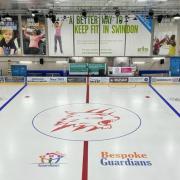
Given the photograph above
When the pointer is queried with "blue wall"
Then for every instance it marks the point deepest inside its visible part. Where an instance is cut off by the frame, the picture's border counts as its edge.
(175, 66)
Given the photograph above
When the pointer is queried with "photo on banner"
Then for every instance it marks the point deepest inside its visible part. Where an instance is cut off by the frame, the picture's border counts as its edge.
(86, 35)
(112, 35)
(165, 39)
(9, 36)
(60, 34)
(34, 36)
(138, 35)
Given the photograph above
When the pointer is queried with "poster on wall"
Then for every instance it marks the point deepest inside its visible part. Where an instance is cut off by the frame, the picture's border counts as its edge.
(86, 35)
(120, 71)
(60, 36)
(112, 35)
(138, 36)
(34, 39)
(9, 36)
(165, 39)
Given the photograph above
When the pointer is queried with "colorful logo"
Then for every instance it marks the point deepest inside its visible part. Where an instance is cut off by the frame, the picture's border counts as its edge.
(143, 49)
(52, 159)
(124, 159)
(91, 120)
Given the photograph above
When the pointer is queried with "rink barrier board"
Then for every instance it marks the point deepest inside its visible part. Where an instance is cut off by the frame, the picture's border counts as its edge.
(92, 80)
(54, 84)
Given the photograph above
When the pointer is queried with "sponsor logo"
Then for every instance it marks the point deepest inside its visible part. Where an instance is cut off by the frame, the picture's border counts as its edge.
(57, 79)
(143, 49)
(170, 79)
(138, 79)
(146, 79)
(52, 159)
(76, 79)
(126, 70)
(95, 80)
(36, 79)
(176, 80)
(1, 79)
(118, 79)
(174, 99)
(124, 159)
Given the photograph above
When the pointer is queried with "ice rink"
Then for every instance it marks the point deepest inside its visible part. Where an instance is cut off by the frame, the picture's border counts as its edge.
(108, 132)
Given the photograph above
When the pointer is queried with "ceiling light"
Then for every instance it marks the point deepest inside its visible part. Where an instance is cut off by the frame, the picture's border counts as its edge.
(36, 19)
(158, 58)
(84, 13)
(53, 19)
(34, 13)
(126, 18)
(159, 18)
(151, 13)
(176, 16)
(138, 62)
(25, 62)
(61, 62)
(117, 12)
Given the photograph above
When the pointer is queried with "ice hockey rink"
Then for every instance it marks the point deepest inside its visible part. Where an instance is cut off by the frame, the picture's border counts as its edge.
(89, 132)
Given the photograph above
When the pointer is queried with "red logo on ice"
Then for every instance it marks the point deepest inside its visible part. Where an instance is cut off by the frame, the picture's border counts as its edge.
(90, 120)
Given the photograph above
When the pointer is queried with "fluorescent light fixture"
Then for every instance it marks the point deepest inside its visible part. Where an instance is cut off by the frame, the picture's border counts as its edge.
(177, 17)
(25, 62)
(138, 62)
(99, 58)
(61, 62)
(78, 58)
(121, 59)
(158, 58)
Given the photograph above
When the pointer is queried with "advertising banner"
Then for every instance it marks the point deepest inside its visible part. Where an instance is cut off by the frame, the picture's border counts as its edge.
(99, 79)
(138, 36)
(34, 40)
(9, 36)
(47, 79)
(85, 68)
(112, 35)
(78, 68)
(138, 79)
(165, 39)
(118, 79)
(19, 70)
(97, 68)
(175, 66)
(60, 35)
(165, 79)
(76, 79)
(86, 35)
(121, 71)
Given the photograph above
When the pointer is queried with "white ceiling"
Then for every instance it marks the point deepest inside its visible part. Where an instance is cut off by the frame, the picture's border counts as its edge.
(159, 6)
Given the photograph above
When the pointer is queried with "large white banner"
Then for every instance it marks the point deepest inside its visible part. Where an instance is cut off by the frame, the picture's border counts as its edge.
(138, 36)
(165, 39)
(112, 35)
(86, 35)
(60, 36)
